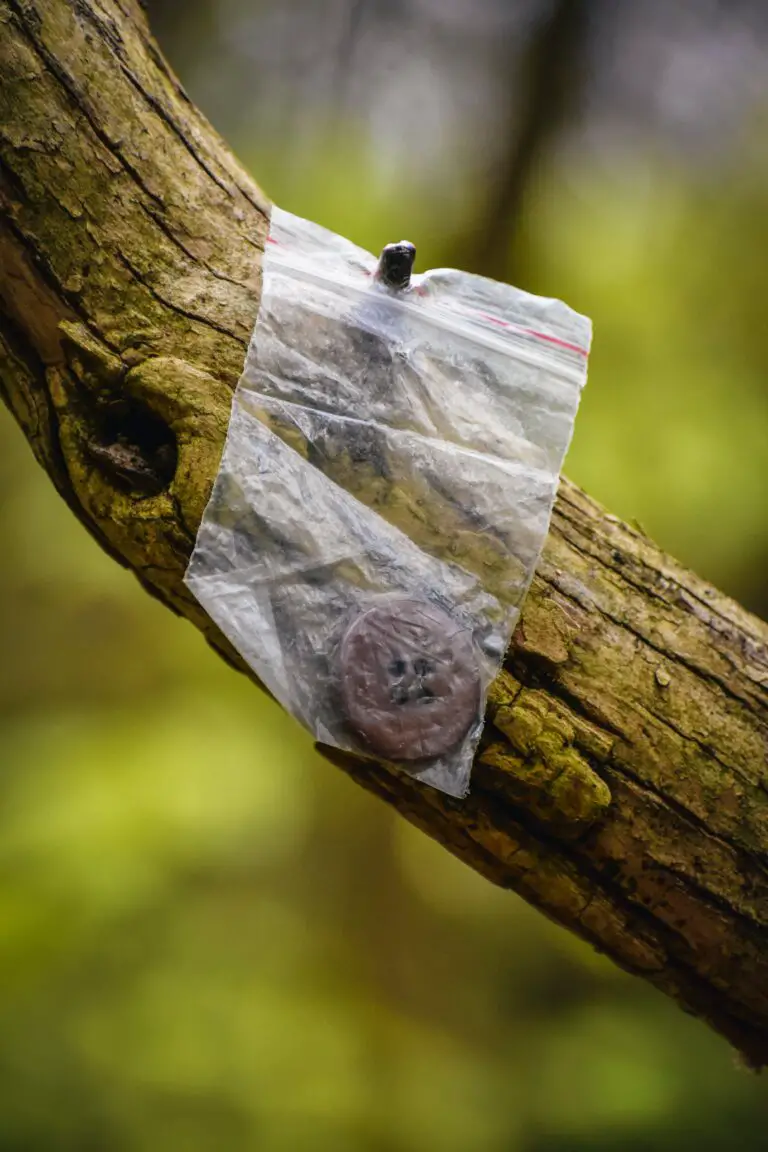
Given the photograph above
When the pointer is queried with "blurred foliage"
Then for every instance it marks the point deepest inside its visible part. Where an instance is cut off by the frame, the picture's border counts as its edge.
(209, 939)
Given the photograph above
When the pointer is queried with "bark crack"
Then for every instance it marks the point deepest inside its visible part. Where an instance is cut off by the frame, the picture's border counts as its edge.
(196, 317)
(671, 657)
(648, 591)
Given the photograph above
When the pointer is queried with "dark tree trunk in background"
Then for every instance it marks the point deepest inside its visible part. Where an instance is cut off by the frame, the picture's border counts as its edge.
(541, 102)
(621, 786)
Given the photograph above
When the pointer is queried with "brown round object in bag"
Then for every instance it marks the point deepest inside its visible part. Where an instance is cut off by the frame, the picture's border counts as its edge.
(410, 683)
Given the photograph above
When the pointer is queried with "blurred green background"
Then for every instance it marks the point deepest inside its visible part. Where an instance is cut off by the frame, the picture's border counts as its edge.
(211, 940)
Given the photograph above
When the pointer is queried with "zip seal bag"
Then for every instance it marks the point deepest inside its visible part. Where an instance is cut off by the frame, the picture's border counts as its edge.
(390, 468)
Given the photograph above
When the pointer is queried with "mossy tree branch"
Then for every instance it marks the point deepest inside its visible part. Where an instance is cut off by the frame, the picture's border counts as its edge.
(622, 781)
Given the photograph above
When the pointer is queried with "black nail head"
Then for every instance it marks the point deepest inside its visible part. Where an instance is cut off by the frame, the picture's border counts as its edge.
(396, 264)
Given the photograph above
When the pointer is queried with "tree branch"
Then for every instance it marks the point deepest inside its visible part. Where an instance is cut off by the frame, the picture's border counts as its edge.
(621, 783)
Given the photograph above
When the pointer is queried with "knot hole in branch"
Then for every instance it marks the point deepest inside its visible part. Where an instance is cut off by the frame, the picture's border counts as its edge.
(133, 447)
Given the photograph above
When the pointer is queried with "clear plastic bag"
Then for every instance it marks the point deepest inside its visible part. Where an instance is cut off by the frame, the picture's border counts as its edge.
(385, 491)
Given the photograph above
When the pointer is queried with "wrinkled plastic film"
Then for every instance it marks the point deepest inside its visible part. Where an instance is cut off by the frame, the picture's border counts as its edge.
(385, 491)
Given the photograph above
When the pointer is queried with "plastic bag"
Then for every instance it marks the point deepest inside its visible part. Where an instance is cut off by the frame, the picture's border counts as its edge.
(385, 491)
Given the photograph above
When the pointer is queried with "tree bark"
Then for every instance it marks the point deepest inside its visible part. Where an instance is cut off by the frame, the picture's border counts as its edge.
(622, 782)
